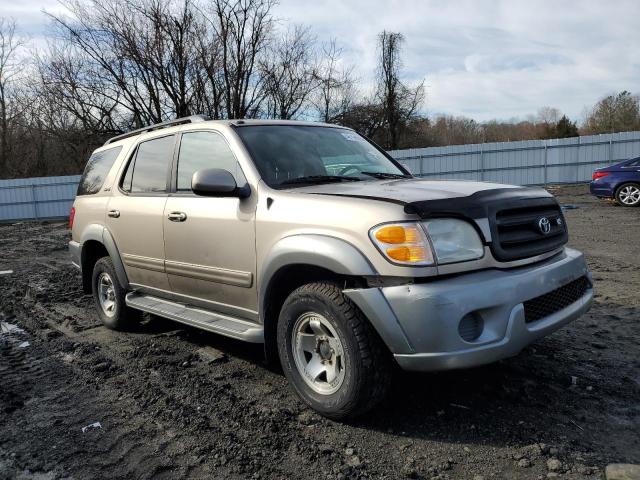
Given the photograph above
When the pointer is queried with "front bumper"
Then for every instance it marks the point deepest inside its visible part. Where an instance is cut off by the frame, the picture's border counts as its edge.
(419, 322)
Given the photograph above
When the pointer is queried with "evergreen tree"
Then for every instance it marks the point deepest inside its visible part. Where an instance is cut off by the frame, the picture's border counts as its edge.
(565, 128)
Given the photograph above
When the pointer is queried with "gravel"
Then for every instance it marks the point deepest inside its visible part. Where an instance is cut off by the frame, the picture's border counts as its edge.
(176, 402)
(553, 464)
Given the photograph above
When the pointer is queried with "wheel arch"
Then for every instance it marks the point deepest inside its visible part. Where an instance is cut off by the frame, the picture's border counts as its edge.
(97, 242)
(301, 259)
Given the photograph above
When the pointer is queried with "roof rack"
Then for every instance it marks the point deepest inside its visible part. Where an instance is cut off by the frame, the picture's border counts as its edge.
(158, 126)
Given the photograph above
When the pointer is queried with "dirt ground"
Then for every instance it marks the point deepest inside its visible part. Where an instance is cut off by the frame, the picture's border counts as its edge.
(174, 402)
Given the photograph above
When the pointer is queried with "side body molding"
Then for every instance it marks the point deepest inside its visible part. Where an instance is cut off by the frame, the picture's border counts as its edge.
(99, 233)
(319, 250)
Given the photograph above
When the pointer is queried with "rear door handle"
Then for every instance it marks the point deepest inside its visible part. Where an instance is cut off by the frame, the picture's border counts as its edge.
(177, 216)
(114, 213)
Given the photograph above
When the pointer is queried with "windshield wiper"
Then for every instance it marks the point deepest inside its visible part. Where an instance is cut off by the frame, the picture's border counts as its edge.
(319, 179)
(386, 175)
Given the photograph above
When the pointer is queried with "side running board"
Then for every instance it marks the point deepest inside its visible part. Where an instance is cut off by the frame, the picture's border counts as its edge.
(196, 317)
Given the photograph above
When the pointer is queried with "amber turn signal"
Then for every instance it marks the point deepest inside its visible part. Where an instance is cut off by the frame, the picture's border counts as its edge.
(396, 234)
(403, 243)
(407, 254)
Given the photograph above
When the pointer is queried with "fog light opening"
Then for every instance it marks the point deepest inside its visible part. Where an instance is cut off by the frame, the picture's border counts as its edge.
(471, 327)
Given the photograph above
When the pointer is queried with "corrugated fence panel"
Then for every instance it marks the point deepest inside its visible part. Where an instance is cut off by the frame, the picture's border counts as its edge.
(529, 162)
(37, 198)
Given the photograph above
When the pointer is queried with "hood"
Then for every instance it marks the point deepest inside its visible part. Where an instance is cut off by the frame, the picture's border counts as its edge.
(404, 191)
(428, 198)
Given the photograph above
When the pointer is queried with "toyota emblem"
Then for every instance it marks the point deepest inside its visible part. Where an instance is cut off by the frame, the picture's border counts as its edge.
(544, 225)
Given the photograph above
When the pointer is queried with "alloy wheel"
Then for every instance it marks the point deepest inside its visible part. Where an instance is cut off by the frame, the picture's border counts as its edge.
(318, 353)
(106, 294)
(629, 195)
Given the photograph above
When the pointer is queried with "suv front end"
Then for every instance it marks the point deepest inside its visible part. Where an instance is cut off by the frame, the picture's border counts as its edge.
(504, 278)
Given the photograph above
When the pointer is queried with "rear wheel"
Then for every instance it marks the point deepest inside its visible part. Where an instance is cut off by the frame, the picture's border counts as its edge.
(330, 353)
(628, 195)
(109, 295)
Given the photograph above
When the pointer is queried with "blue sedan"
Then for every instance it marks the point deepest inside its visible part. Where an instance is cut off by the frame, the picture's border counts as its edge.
(620, 182)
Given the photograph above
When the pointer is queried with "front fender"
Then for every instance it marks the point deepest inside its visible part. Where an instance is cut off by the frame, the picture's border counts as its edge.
(342, 258)
(319, 250)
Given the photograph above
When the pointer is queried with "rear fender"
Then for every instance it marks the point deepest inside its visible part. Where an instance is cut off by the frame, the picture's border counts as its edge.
(99, 233)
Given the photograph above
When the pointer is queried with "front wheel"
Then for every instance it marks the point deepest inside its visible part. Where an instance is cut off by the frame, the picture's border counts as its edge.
(330, 353)
(628, 195)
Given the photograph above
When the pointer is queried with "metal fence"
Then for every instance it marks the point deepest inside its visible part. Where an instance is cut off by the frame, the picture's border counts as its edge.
(37, 198)
(531, 162)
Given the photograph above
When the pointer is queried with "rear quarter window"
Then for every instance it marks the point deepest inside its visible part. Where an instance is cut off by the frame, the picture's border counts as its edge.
(96, 170)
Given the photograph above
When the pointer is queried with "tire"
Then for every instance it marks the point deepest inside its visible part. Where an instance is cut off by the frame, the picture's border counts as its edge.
(628, 195)
(338, 338)
(108, 296)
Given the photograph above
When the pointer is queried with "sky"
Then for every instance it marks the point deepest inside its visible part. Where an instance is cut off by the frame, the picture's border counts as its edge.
(486, 59)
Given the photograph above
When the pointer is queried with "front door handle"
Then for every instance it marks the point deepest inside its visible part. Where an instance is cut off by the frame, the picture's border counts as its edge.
(177, 216)
(114, 213)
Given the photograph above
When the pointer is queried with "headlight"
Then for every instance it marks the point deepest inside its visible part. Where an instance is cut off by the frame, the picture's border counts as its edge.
(403, 243)
(453, 240)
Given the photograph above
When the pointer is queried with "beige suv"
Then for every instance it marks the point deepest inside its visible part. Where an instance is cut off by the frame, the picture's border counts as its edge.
(312, 240)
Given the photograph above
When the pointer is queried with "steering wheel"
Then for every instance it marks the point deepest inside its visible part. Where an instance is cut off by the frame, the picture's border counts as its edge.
(348, 168)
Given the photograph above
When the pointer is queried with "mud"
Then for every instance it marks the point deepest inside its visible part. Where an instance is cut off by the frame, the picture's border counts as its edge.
(174, 402)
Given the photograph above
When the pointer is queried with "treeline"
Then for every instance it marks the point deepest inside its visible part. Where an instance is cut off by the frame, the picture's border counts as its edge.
(115, 65)
(613, 113)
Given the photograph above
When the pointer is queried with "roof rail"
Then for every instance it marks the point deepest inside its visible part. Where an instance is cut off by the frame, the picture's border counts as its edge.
(157, 126)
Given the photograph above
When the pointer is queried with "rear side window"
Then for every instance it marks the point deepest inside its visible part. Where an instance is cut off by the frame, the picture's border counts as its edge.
(633, 163)
(147, 172)
(200, 150)
(96, 170)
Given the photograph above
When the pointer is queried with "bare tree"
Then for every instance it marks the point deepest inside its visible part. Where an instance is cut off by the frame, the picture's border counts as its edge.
(336, 91)
(399, 101)
(548, 115)
(147, 59)
(72, 105)
(290, 73)
(244, 29)
(10, 66)
(97, 35)
(210, 90)
(546, 121)
(70, 85)
(164, 46)
(365, 117)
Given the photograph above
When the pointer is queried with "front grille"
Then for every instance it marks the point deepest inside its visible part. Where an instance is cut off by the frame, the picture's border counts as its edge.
(519, 233)
(554, 301)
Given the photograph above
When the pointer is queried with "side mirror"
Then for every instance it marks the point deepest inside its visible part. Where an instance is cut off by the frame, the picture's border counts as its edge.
(217, 182)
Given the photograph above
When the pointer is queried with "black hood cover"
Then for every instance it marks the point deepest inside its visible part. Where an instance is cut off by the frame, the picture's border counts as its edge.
(480, 204)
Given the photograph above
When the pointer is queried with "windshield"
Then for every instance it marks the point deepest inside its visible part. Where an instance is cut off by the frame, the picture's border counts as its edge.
(289, 155)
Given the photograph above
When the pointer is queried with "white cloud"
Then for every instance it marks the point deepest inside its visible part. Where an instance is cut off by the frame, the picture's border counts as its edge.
(486, 59)
(493, 59)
